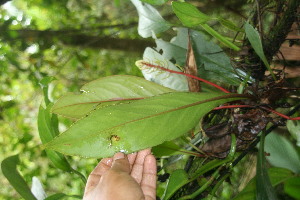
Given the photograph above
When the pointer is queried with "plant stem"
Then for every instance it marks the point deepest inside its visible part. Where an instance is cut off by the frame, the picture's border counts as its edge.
(204, 187)
(82, 177)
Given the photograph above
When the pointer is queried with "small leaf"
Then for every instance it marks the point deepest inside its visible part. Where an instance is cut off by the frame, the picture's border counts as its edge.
(171, 80)
(47, 133)
(149, 20)
(264, 189)
(255, 41)
(155, 2)
(177, 179)
(137, 125)
(9, 170)
(228, 24)
(282, 152)
(44, 83)
(188, 14)
(277, 176)
(169, 148)
(103, 92)
(219, 37)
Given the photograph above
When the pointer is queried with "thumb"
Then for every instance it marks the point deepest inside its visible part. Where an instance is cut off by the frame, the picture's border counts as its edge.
(120, 163)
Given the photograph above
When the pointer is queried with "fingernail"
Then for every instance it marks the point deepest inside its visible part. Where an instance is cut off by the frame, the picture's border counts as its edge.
(119, 155)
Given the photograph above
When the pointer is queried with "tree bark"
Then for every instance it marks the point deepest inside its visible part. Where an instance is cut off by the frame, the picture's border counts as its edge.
(71, 38)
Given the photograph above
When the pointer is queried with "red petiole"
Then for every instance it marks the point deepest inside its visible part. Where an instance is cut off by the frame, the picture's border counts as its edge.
(188, 75)
(222, 89)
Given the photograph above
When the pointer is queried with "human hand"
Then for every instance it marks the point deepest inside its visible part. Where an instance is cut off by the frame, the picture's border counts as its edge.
(122, 177)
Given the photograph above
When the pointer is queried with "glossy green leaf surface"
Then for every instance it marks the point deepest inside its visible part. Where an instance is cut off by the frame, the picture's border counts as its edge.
(177, 179)
(9, 170)
(282, 152)
(264, 188)
(149, 20)
(137, 125)
(277, 176)
(105, 91)
(188, 14)
(255, 41)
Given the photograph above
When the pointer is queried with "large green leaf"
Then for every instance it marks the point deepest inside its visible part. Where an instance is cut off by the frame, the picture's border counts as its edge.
(191, 17)
(282, 152)
(149, 20)
(9, 170)
(264, 188)
(255, 41)
(105, 91)
(277, 176)
(188, 14)
(137, 125)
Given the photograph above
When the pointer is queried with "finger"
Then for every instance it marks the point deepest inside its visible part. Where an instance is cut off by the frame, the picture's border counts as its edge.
(148, 183)
(137, 168)
(93, 179)
(131, 157)
(120, 163)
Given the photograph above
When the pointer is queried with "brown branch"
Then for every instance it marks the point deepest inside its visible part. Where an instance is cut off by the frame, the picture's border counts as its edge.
(280, 31)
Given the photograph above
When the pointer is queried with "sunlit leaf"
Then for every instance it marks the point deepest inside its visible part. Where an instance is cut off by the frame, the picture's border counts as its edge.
(137, 125)
(105, 91)
(277, 176)
(44, 83)
(171, 80)
(255, 41)
(282, 152)
(149, 20)
(188, 14)
(264, 188)
(9, 170)
(177, 179)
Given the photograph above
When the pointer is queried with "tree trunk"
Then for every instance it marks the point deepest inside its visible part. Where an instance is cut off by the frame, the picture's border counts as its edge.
(77, 39)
